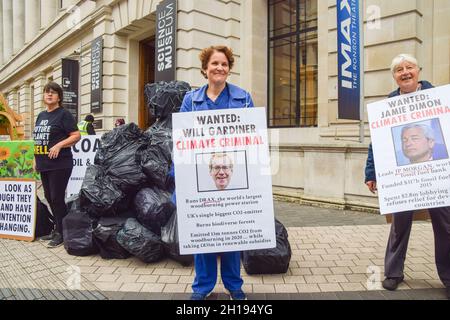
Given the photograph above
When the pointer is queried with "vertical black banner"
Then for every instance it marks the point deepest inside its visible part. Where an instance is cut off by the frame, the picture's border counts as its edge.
(70, 81)
(97, 75)
(165, 47)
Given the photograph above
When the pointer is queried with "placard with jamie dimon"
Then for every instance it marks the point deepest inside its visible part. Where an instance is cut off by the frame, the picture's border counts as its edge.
(410, 139)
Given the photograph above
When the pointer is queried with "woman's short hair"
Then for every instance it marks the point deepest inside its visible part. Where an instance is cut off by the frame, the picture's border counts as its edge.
(55, 87)
(206, 54)
(403, 57)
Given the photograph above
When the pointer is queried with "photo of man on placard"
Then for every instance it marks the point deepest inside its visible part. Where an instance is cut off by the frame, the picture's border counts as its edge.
(219, 171)
(419, 142)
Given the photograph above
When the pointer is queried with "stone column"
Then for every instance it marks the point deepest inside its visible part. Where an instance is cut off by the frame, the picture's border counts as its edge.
(32, 19)
(38, 96)
(24, 107)
(57, 71)
(49, 10)
(12, 100)
(18, 25)
(7, 30)
(68, 3)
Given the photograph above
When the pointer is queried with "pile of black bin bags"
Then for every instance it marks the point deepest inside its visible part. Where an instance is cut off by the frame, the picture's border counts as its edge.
(124, 206)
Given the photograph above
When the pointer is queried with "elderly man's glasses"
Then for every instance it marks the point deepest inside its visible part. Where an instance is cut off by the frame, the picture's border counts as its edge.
(216, 169)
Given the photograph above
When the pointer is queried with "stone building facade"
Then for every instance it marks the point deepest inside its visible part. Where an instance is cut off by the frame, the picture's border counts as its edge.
(286, 57)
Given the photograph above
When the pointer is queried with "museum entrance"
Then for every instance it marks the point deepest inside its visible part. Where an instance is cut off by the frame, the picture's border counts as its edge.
(146, 75)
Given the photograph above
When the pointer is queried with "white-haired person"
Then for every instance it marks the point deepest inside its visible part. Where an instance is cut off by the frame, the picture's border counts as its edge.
(405, 71)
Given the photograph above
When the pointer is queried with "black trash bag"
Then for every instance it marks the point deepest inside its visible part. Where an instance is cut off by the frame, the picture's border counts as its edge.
(170, 184)
(169, 237)
(78, 229)
(117, 155)
(71, 200)
(140, 242)
(124, 212)
(153, 208)
(158, 125)
(165, 98)
(99, 196)
(155, 164)
(160, 134)
(128, 176)
(45, 222)
(114, 142)
(105, 237)
(269, 261)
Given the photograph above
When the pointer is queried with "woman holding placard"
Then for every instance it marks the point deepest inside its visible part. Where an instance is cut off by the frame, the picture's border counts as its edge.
(217, 63)
(405, 71)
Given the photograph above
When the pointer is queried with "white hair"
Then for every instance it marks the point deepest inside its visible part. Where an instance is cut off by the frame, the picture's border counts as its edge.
(403, 57)
(426, 129)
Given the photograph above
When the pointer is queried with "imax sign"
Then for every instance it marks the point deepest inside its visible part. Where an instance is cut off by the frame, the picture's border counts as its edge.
(349, 87)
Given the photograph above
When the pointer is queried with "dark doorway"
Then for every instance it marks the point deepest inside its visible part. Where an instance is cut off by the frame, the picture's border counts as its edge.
(146, 75)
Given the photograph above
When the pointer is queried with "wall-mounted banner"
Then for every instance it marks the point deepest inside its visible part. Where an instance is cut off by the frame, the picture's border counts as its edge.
(97, 75)
(224, 186)
(16, 159)
(165, 47)
(349, 57)
(83, 156)
(17, 209)
(410, 140)
(70, 80)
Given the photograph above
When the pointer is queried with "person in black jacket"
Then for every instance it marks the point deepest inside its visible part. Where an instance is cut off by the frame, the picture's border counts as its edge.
(405, 70)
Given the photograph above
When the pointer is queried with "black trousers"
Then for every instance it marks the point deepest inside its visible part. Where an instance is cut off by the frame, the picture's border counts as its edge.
(55, 184)
(394, 260)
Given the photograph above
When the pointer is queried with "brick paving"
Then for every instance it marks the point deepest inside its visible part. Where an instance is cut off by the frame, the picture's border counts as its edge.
(335, 255)
(29, 271)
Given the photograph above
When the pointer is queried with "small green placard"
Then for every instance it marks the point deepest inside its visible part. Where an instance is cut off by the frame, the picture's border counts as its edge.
(16, 160)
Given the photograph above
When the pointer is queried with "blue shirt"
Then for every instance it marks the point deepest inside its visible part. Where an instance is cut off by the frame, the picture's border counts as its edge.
(221, 101)
(233, 97)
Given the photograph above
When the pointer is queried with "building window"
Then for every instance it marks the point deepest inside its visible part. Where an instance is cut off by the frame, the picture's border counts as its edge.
(292, 63)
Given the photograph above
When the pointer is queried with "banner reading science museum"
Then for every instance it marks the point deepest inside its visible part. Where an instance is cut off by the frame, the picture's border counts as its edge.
(410, 139)
(223, 182)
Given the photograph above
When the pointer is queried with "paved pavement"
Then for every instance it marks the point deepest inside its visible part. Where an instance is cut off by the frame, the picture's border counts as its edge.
(335, 255)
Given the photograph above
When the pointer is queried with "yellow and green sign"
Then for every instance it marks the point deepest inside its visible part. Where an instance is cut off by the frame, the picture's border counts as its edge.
(16, 160)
